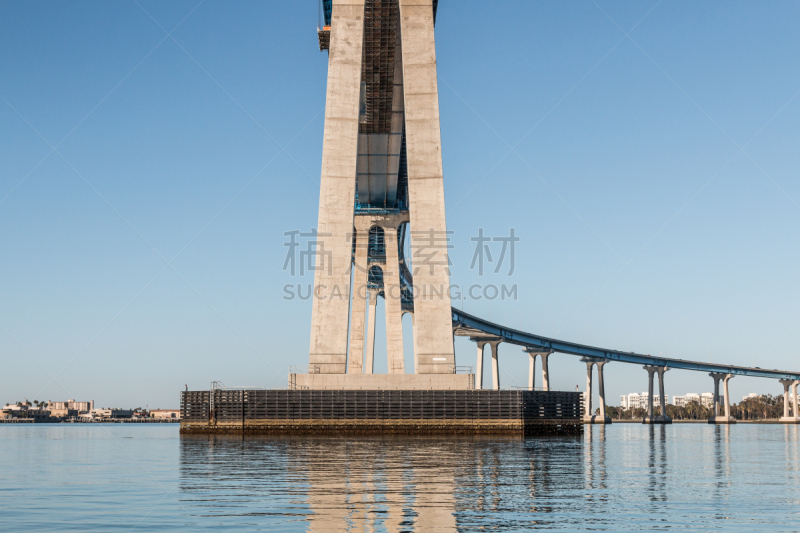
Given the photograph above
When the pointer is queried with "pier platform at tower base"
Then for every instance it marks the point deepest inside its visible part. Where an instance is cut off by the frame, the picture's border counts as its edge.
(381, 412)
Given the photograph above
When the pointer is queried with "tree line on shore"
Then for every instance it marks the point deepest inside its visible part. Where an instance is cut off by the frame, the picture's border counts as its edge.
(763, 407)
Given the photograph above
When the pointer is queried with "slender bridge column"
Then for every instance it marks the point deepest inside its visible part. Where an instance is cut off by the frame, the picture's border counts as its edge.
(725, 381)
(662, 396)
(587, 417)
(787, 385)
(545, 371)
(392, 299)
(648, 418)
(373, 306)
(794, 397)
(479, 365)
(601, 389)
(495, 365)
(718, 417)
(532, 370)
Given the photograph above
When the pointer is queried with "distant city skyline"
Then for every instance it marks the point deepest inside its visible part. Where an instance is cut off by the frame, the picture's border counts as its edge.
(147, 180)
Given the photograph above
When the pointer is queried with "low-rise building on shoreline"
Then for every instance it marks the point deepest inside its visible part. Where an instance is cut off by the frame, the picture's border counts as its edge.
(165, 413)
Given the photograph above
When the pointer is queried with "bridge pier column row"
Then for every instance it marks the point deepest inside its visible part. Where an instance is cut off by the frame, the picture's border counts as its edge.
(650, 417)
(589, 417)
(718, 417)
(787, 385)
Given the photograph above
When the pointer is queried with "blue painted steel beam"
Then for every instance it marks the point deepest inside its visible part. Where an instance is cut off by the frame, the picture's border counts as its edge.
(521, 338)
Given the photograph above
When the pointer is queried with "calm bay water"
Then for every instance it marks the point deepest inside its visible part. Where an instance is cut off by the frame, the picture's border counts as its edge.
(627, 477)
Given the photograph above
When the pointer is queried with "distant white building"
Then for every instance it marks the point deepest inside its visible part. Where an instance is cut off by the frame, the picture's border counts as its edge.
(634, 400)
(72, 405)
(683, 401)
(705, 399)
(165, 413)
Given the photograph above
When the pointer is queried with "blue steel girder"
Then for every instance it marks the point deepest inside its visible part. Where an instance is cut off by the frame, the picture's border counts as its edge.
(520, 338)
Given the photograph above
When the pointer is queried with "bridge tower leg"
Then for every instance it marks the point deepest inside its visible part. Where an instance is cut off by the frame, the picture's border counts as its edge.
(718, 417)
(330, 315)
(426, 187)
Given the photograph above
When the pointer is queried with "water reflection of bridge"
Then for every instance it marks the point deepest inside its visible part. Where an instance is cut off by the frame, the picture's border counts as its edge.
(375, 484)
(645, 474)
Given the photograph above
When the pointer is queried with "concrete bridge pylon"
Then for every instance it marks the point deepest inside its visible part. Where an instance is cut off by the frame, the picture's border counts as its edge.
(381, 192)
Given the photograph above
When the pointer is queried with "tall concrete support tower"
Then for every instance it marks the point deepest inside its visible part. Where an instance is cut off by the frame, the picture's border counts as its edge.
(381, 191)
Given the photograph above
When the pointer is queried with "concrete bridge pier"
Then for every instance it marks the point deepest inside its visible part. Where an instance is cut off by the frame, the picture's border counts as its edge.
(718, 418)
(531, 370)
(789, 384)
(650, 418)
(589, 417)
(479, 365)
(545, 371)
(482, 341)
(532, 354)
(495, 365)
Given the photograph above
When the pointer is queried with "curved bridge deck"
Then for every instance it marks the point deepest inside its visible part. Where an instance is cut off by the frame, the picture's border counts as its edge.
(465, 324)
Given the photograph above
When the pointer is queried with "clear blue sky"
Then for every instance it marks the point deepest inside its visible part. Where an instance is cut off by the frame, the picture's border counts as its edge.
(653, 181)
